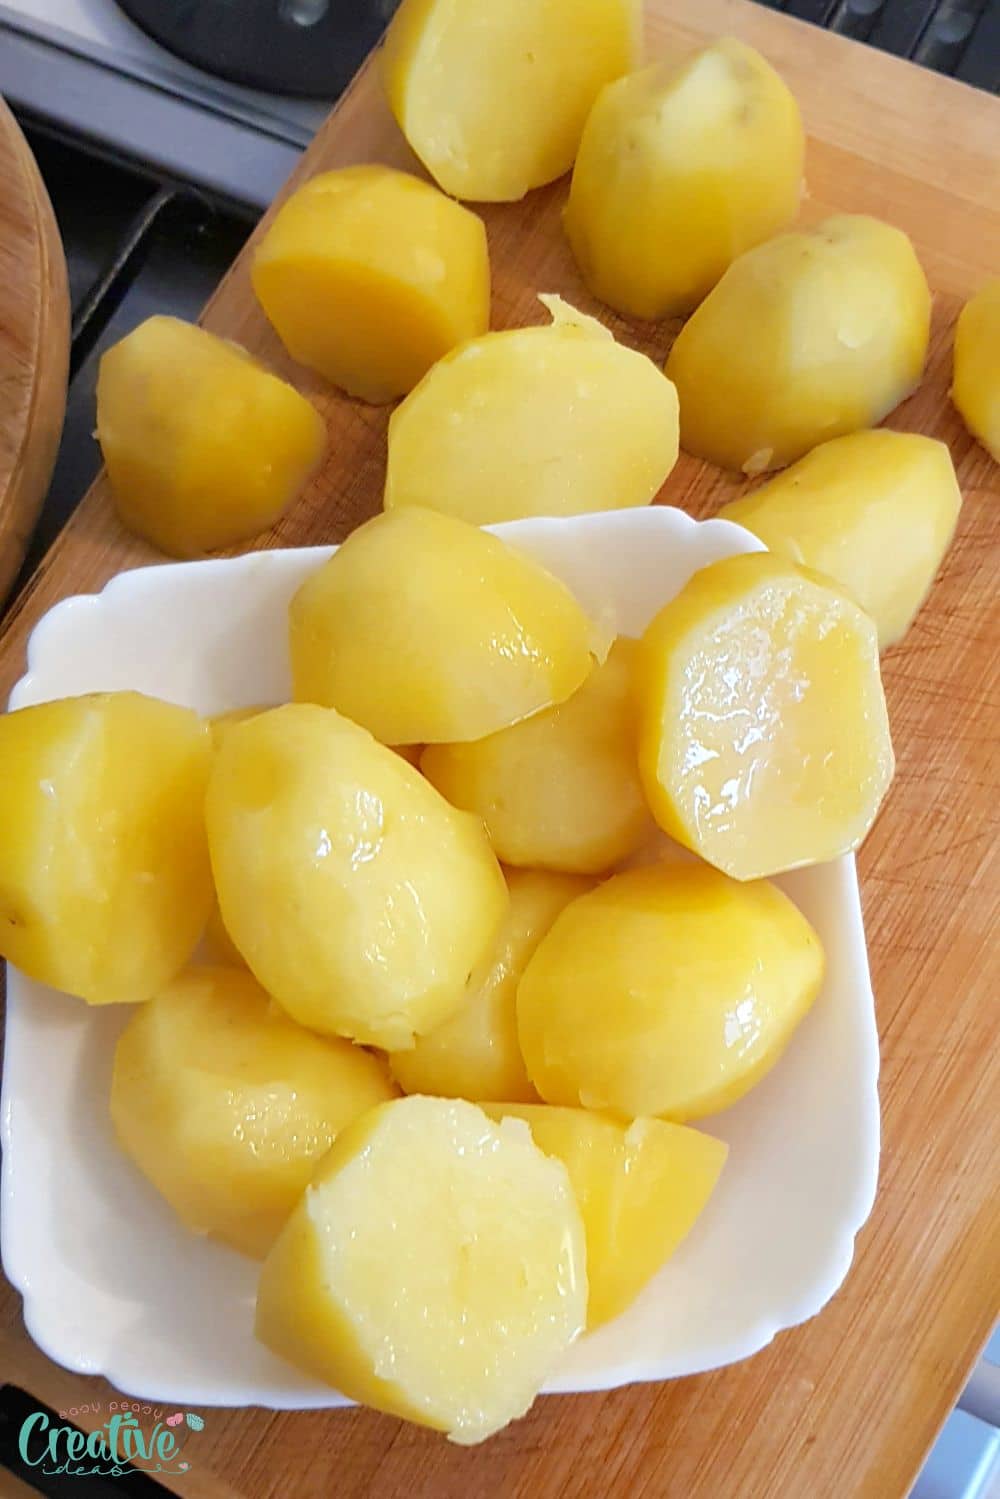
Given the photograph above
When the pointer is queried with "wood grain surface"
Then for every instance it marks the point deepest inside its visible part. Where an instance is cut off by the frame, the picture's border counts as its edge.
(846, 1406)
(34, 344)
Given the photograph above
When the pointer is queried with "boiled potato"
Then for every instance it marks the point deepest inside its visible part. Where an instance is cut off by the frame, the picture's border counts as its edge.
(221, 723)
(368, 275)
(218, 948)
(806, 337)
(105, 885)
(764, 740)
(427, 630)
(666, 991)
(680, 170)
(561, 790)
(227, 1106)
(493, 98)
(534, 421)
(476, 1054)
(434, 1269)
(204, 447)
(976, 387)
(358, 897)
(640, 1188)
(875, 511)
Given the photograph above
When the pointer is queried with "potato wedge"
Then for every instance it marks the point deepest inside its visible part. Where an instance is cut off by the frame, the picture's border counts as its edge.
(976, 386)
(806, 337)
(875, 511)
(558, 420)
(680, 170)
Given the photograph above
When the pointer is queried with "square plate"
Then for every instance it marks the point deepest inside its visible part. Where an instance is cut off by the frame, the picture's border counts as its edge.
(112, 1283)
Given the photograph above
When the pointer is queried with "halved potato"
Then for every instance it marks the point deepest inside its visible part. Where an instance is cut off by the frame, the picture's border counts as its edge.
(640, 1188)
(666, 991)
(875, 511)
(204, 447)
(764, 739)
(358, 897)
(976, 387)
(105, 884)
(426, 629)
(475, 1054)
(492, 98)
(560, 790)
(806, 337)
(227, 1106)
(369, 275)
(680, 170)
(534, 421)
(434, 1269)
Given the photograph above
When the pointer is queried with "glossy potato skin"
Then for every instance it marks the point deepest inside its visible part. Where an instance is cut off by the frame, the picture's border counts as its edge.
(667, 991)
(369, 275)
(493, 99)
(976, 385)
(680, 170)
(875, 511)
(560, 420)
(640, 1186)
(105, 884)
(806, 337)
(358, 897)
(427, 630)
(204, 447)
(560, 790)
(476, 1054)
(227, 1106)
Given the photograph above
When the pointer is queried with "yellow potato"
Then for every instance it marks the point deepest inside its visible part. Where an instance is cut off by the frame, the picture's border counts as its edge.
(764, 740)
(875, 511)
(218, 947)
(227, 1106)
(666, 991)
(493, 98)
(369, 275)
(356, 895)
(434, 1269)
(561, 790)
(476, 1054)
(105, 885)
(976, 387)
(221, 723)
(204, 447)
(534, 421)
(640, 1188)
(806, 337)
(427, 630)
(680, 170)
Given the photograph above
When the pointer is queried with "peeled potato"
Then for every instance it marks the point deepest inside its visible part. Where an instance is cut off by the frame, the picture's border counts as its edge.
(204, 447)
(427, 630)
(640, 1188)
(358, 897)
(105, 885)
(680, 170)
(369, 275)
(976, 387)
(666, 991)
(475, 1054)
(764, 740)
(218, 947)
(227, 1106)
(221, 723)
(534, 421)
(434, 1269)
(561, 790)
(806, 337)
(493, 98)
(875, 511)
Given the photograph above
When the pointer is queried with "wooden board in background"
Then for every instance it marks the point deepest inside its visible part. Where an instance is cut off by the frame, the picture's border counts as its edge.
(845, 1407)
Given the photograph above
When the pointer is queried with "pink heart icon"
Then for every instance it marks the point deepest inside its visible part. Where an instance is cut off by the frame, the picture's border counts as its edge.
(176, 1419)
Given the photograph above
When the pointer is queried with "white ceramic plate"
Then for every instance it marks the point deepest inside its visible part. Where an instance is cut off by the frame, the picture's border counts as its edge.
(113, 1285)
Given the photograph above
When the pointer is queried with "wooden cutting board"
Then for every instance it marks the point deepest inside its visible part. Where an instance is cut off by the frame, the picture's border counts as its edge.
(34, 344)
(845, 1407)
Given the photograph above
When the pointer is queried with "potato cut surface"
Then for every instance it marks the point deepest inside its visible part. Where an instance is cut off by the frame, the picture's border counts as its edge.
(976, 387)
(434, 1269)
